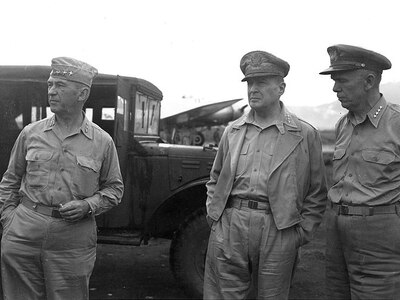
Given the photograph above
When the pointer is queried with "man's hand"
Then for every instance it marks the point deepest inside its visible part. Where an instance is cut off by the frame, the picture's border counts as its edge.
(75, 210)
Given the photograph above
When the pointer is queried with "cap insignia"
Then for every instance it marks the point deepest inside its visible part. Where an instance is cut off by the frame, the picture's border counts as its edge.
(62, 73)
(334, 55)
(256, 59)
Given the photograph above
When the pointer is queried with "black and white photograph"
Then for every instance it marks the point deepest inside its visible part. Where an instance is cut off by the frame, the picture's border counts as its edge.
(186, 149)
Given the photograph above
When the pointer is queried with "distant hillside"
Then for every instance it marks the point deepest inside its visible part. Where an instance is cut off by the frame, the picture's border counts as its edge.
(391, 91)
(324, 117)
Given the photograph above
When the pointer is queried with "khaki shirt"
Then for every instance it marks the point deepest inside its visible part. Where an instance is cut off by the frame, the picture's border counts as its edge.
(366, 160)
(255, 159)
(51, 171)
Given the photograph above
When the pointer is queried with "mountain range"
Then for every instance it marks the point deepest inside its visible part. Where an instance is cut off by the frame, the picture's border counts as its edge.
(325, 116)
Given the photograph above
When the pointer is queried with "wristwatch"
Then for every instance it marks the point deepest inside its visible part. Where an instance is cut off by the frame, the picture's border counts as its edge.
(90, 212)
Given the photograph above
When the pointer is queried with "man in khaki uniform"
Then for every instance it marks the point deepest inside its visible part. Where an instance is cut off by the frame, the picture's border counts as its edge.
(266, 193)
(363, 227)
(63, 171)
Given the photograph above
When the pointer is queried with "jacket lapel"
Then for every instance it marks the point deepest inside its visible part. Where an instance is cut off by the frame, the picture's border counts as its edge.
(236, 137)
(286, 143)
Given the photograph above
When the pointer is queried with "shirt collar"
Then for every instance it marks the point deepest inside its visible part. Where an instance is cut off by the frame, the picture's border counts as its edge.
(376, 112)
(86, 126)
(285, 119)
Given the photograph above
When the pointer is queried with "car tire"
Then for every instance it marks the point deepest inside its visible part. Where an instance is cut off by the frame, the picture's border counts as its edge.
(198, 139)
(188, 252)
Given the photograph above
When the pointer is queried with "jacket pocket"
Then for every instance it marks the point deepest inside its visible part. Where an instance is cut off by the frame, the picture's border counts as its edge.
(38, 168)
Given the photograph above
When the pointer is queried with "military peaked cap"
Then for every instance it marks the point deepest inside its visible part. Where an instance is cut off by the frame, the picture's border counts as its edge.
(261, 63)
(346, 58)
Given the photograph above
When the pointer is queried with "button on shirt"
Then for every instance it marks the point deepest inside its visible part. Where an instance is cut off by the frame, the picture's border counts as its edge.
(366, 161)
(255, 159)
(52, 171)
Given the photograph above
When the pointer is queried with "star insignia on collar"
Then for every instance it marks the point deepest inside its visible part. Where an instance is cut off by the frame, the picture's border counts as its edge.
(377, 111)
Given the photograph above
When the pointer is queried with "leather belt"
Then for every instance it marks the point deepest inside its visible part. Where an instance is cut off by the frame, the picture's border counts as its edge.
(252, 204)
(352, 210)
(51, 211)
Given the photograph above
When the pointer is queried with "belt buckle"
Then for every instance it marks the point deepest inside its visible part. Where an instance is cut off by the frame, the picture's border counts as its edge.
(252, 204)
(55, 213)
(344, 209)
(370, 210)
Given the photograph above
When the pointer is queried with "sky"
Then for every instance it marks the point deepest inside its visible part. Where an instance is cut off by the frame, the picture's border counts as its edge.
(191, 49)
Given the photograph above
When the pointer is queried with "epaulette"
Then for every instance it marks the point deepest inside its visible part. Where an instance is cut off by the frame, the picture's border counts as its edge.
(394, 106)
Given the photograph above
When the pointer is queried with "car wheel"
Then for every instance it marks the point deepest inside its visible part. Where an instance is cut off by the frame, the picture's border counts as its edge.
(188, 253)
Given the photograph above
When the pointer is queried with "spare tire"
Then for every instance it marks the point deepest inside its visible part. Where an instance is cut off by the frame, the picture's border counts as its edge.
(198, 139)
(188, 253)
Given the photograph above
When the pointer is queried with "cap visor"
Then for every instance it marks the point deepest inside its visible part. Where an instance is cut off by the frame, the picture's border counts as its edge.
(334, 69)
(261, 75)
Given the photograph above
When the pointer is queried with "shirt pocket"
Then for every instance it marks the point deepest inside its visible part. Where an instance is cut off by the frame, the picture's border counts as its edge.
(337, 162)
(242, 161)
(87, 174)
(374, 166)
(38, 169)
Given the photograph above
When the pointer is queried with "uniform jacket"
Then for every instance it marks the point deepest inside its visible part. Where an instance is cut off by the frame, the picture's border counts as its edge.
(297, 183)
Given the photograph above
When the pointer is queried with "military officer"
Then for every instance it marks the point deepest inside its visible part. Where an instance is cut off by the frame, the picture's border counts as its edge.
(63, 171)
(266, 193)
(363, 226)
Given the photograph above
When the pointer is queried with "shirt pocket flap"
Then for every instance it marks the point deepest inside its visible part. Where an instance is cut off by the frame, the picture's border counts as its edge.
(379, 157)
(38, 155)
(339, 153)
(88, 162)
(245, 149)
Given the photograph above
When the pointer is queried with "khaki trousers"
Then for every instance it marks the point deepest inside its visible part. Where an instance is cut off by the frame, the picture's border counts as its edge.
(46, 258)
(363, 257)
(246, 251)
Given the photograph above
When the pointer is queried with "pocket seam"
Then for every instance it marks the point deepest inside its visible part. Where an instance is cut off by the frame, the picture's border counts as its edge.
(378, 157)
(88, 163)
